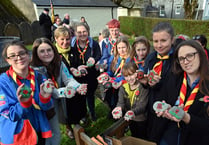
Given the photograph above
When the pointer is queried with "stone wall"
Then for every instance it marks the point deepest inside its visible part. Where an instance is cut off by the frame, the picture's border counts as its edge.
(27, 32)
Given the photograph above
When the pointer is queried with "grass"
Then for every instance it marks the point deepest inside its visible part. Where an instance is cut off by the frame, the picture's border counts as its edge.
(92, 128)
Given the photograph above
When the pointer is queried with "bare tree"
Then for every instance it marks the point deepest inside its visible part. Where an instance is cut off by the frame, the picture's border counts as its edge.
(189, 8)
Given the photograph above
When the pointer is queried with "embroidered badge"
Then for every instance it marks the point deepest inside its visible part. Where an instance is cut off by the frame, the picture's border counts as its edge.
(2, 100)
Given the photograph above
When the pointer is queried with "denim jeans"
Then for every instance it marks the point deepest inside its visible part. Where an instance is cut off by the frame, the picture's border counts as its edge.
(56, 135)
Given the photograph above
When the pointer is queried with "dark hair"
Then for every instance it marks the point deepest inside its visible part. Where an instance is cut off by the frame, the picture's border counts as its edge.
(140, 39)
(164, 26)
(203, 68)
(13, 43)
(202, 39)
(129, 68)
(53, 69)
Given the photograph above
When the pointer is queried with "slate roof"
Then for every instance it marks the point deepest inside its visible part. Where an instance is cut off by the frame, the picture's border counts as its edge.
(76, 3)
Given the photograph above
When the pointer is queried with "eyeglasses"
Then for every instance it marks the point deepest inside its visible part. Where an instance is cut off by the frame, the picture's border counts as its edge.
(189, 57)
(22, 54)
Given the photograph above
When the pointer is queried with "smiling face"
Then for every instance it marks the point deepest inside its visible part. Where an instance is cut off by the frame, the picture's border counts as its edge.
(131, 78)
(81, 33)
(122, 49)
(20, 61)
(114, 32)
(162, 42)
(45, 53)
(63, 41)
(192, 63)
(141, 50)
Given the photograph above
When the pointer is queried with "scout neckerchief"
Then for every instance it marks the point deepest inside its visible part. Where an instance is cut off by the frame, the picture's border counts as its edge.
(132, 94)
(64, 52)
(55, 82)
(206, 52)
(183, 91)
(119, 69)
(31, 77)
(138, 61)
(113, 43)
(82, 53)
(159, 65)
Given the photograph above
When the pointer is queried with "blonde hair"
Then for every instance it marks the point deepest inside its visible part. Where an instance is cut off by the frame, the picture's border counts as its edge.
(62, 31)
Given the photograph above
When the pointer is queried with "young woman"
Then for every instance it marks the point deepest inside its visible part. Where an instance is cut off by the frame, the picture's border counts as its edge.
(22, 117)
(115, 65)
(157, 67)
(132, 101)
(47, 60)
(140, 50)
(85, 49)
(187, 88)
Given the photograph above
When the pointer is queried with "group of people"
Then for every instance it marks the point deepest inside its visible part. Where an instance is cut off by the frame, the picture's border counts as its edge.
(49, 24)
(131, 83)
(175, 74)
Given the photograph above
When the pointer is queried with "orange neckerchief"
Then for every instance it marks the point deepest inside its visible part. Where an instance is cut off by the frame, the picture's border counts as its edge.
(82, 53)
(31, 77)
(183, 91)
(113, 45)
(159, 65)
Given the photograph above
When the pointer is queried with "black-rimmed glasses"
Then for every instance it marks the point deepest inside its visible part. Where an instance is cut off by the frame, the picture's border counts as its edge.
(22, 54)
(189, 57)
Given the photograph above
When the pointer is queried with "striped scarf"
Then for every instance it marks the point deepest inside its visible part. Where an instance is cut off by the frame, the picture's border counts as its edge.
(159, 65)
(82, 53)
(183, 91)
(31, 77)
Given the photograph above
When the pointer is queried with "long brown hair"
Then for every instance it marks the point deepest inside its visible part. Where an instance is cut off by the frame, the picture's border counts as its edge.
(53, 69)
(203, 68)
(116, 54)
(140, 39)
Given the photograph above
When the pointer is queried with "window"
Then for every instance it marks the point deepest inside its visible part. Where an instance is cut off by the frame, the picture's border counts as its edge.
(178, 9)
(162, 11)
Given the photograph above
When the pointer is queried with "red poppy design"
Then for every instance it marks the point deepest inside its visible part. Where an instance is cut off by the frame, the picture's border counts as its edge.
(48, 85)
(137, 92)
(130, 113)
(25, 91)
(206, 99)
(69, 92)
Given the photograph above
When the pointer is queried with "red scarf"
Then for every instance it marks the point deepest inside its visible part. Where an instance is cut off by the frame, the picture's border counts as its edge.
(159, 65)
(113, 45)
(82, 53)
(31, 77)
(55, 82)
(183, 91)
